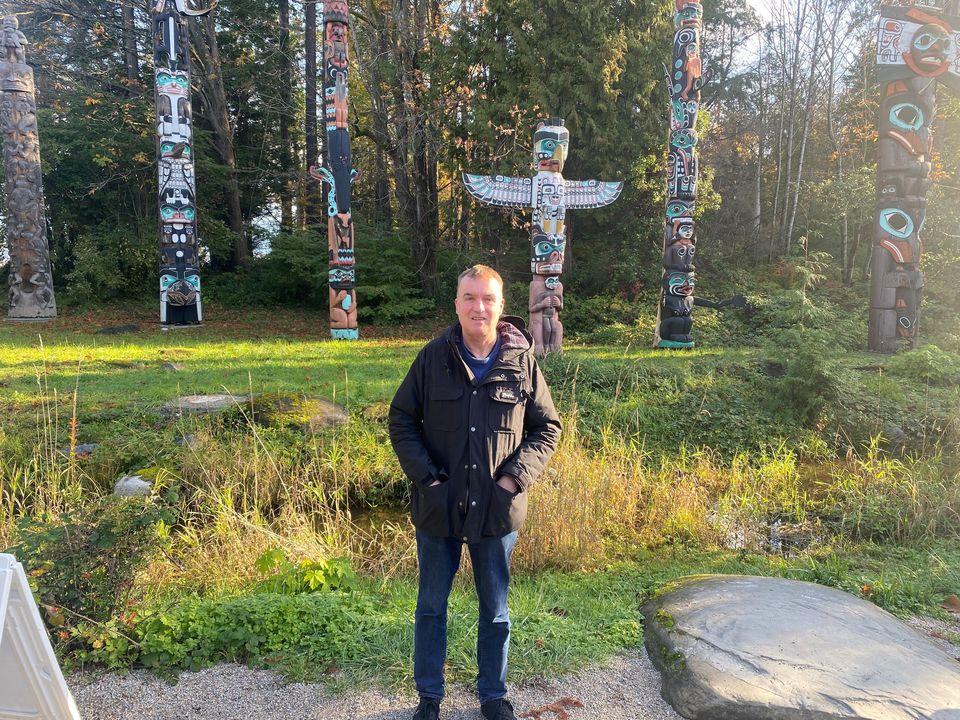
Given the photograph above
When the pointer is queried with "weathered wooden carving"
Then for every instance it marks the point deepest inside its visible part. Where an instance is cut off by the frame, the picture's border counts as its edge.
(916, 50)
(550, 196)
(31, 280)
(179, 263)
(338, 173)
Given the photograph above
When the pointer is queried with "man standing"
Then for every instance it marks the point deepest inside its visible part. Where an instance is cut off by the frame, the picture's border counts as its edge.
(473, 425)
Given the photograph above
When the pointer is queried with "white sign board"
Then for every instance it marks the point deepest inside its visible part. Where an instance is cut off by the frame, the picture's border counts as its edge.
(31, 684)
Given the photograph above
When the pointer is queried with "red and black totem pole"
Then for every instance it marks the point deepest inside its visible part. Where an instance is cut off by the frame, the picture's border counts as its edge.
(179, 262)
(916, 50)
(338, 173)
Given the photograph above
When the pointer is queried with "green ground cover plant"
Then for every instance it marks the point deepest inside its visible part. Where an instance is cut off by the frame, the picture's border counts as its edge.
(774, 455)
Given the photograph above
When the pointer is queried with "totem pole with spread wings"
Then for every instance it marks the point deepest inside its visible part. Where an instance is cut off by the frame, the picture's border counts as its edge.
(550, 196)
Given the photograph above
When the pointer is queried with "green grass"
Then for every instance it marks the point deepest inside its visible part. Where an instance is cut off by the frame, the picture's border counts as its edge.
(561, 621)
(664, 457)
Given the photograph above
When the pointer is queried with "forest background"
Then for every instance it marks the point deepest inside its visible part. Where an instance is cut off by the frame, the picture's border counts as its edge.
(787, 128)
(775, 447)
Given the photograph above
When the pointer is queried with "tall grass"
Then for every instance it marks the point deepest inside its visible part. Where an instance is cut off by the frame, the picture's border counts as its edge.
(240, 489)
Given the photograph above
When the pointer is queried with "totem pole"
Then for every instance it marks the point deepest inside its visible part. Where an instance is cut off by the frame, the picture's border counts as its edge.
(179, 263)
(915, 49)
(339, 174)
(31, 280)
(550, 196)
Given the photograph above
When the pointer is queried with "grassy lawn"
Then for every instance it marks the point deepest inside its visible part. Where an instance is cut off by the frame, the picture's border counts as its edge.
(667, 459)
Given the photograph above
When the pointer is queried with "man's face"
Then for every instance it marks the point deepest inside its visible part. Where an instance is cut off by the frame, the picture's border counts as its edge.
(479, 306)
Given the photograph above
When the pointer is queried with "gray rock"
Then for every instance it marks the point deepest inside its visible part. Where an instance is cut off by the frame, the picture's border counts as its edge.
(132, 486)
(81, 450)
(279, 409)
(757, 648)
(894, 437)
(203, 403)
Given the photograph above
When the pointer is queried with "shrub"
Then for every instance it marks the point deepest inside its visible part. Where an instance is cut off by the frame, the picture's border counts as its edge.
(929, 364)
(82, 566)
(812, 380)
(111, 263)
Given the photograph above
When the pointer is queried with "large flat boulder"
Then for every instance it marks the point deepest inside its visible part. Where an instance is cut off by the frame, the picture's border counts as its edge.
(758, 648)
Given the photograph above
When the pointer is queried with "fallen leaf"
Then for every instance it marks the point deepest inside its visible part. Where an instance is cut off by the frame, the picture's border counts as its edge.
(951, 604)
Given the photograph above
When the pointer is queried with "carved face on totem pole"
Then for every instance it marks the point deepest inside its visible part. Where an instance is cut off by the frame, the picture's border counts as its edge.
(343, 298)
(930, 48)
(547, 256)
(689, 14)
(551, 140)
(682, 168)
(179, 285)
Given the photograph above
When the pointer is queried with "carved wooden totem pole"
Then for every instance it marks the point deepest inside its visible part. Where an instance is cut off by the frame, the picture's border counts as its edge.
(550, 196)
(338, 173)
(179, 263)
(916, 49)
(684, 80)
(31, 280)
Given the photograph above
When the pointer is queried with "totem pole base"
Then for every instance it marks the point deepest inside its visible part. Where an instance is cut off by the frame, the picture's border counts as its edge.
(675, 344)
(341, 334)
(12, 318)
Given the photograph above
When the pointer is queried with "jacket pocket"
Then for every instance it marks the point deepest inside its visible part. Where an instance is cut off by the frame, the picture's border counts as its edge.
(505, 412)
(428, 508)
(507, 512)
(445, 408)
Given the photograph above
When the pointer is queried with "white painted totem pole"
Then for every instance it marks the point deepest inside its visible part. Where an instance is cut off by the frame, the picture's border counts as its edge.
(917, 48)
(338, 173)
(550, 196)
(31, 279)
(179, 262)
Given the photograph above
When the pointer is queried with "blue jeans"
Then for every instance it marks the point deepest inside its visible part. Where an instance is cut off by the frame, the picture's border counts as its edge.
(439, 559)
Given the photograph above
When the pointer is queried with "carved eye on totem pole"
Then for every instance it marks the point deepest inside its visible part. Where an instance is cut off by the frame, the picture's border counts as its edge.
(679, 209)
(684, 138)
(929, 50)
(897, 223)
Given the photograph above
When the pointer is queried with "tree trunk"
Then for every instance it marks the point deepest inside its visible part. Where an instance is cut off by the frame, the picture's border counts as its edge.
(130, 58)
(286, 111)
(807, 116)
(215, 96)
(312, 212)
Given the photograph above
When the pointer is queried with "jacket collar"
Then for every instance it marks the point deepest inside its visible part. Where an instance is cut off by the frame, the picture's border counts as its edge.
(515, 341)
(514, 338)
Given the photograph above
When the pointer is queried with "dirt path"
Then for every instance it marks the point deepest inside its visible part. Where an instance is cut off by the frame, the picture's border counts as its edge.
(627, 688)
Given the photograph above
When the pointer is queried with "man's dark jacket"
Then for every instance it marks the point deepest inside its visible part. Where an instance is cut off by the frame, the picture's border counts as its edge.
(446, 426)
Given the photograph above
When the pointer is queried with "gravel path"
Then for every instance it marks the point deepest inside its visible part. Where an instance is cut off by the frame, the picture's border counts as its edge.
(626, 688)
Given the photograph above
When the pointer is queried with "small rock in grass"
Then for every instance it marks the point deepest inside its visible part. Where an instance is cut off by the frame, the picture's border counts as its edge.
(132, 486)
